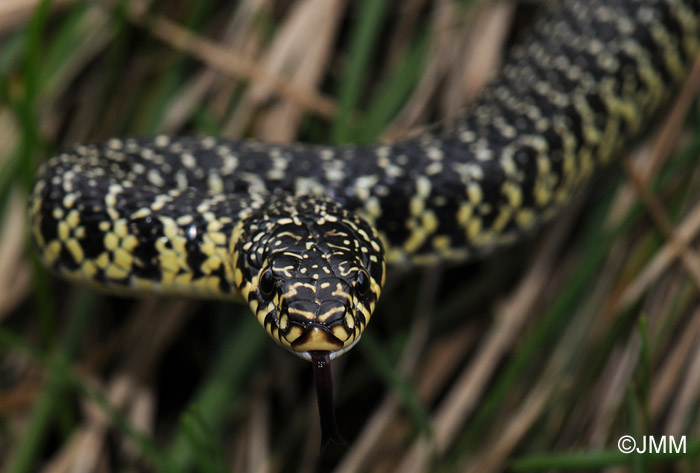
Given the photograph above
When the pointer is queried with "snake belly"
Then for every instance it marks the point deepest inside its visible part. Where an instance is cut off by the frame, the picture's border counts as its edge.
(160, 214)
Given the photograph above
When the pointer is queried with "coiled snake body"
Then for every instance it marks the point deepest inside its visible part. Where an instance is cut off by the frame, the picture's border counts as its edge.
(302, 232)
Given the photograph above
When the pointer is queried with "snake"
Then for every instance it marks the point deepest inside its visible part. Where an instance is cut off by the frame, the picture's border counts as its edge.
(303, 233)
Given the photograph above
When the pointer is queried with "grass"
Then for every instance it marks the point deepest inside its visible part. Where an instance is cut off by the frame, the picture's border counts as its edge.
(537, 358)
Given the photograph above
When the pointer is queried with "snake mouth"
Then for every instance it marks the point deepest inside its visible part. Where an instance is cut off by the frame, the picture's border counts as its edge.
(307, 353)
(310, 325)
(317, 338)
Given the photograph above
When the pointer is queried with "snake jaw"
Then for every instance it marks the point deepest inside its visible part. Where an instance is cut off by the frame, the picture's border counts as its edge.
(306, 355)
(317, 338)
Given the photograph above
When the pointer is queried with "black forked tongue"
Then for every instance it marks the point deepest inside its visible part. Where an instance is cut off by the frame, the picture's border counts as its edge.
(321, 361)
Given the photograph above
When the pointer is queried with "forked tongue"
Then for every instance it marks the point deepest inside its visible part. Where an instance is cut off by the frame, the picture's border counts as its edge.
(321, 362)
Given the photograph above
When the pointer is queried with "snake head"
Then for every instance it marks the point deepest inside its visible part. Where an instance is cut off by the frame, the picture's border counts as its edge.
(311, 272)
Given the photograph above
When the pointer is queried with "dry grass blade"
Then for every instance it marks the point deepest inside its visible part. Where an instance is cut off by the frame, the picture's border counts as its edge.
(659, 150)
(688, 396)
(230, 63)
(687, 231)
(689, 258)
(462, 59)
(369, 440)
(673, 369)
(612, 386)
(470, 384)
(300, 52)
(496, 455)
(14, 12)
(258, 447)
(85, 450)
(15, 272)
(480, 55)
(239, 34)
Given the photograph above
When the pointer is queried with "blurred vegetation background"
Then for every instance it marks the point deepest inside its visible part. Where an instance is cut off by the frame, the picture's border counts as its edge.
(537, 358)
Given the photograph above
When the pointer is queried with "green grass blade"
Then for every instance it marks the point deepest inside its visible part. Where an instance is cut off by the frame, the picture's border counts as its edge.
(362, 46)
(51, 399)
(393, 91)
(377, 358)
(238, 357)
(207, 451)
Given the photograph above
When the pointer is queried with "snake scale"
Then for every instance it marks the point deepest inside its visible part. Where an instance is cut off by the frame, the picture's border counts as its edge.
(302, 232)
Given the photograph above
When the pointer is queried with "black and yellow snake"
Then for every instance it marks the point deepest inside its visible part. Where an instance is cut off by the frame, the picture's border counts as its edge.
(302, 232)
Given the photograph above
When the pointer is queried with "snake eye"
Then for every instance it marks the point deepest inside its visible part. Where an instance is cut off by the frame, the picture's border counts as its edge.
(362, 282)
(267, 283)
